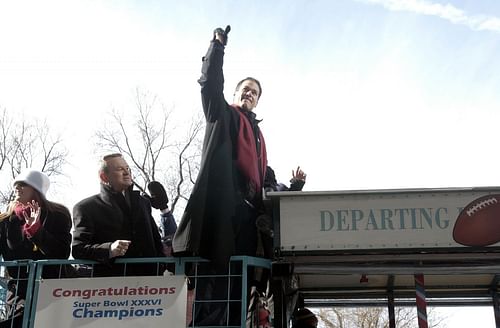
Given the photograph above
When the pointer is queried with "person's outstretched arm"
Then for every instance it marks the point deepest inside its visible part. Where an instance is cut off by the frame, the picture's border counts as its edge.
(212, 77)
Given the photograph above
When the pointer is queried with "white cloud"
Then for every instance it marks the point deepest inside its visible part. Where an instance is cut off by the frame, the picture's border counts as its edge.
(445, 11)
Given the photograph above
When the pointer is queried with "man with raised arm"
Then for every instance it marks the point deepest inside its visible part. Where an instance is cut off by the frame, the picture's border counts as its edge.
(219, 220)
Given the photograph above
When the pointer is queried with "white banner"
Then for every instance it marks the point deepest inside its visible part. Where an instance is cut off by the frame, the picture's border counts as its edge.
(389, 220)
(112, 302)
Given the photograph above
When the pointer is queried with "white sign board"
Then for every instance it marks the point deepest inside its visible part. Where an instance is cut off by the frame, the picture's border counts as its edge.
(112, 302)
(389, 220)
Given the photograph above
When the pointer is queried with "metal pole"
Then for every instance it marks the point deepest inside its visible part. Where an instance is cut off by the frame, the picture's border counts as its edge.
(390, 301)
(392, 316)
(496, 308)
(421, 302)
(390, 305)
(279, 315)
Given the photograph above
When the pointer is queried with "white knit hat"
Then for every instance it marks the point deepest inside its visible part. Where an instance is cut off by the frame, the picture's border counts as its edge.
(36, 179)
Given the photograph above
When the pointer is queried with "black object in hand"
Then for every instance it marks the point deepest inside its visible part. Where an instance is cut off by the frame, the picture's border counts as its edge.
(159, 198)
(223, 33)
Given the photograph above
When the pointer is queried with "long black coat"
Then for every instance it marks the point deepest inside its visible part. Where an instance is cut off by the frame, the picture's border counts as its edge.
(206, 227)
(101, 219)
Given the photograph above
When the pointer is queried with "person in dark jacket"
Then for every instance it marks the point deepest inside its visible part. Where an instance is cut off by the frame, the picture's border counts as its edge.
(115, 223)
(32, 228)
(264, 222)
(219, 218)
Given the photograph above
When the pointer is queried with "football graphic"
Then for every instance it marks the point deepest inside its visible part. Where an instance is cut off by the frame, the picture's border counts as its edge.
(478, 224)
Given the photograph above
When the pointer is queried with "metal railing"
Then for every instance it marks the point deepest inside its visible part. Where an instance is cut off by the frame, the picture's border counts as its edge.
(199, 272)
(17, 283)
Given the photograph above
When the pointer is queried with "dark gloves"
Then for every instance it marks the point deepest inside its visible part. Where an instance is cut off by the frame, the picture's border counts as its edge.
(159, 198)
(221, 35)
(296, 184)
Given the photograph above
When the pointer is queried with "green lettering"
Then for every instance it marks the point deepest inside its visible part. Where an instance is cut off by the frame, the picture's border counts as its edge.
(327, 220)
(341, 218)
(442, 222)
(372, 221)
(413, 215)
(357, 216)
(385, 219)
(401, 211)
(426, 214)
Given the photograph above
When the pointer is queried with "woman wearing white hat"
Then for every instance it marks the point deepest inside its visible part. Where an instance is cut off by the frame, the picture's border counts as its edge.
(32, 228)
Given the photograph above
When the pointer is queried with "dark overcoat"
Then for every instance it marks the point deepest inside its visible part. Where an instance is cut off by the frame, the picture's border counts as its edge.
(206, 227)
(101, 219)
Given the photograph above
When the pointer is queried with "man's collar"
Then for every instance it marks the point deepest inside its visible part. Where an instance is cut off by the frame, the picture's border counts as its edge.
(108, 193)
(248, 113)
(110, 189)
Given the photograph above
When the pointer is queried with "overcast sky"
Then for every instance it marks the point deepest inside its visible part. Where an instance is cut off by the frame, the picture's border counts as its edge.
(364, 94)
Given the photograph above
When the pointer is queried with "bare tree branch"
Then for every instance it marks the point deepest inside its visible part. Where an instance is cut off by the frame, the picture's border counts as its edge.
(28, 145)
(375, 317)
(183, 160)
(144, 137)
(5, 142)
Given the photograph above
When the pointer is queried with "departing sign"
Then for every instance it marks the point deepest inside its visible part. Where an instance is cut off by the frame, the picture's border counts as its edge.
(388, 219)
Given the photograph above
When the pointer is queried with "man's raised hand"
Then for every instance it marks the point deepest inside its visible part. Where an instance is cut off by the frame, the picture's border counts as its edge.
(221, 35)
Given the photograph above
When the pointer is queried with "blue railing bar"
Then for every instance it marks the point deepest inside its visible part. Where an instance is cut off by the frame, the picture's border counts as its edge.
(182, 261)
(35, 274)
(244, 284)
(179, 261)
(253, 261)
(15, 263)
(37, 269)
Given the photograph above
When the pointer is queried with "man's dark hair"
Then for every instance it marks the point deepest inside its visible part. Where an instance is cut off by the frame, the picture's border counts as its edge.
(251, 79)
(103, 163)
